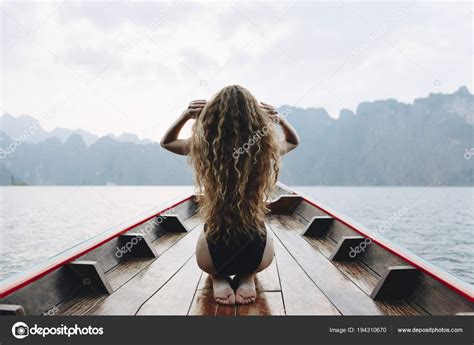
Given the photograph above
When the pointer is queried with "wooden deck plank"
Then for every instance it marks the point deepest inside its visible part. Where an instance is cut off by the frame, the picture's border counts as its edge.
(204, 304)
(267, 303)
(205, 283)
(399, 308)
(365, 278)
(269, 299)
(175, 297)
(280, 287)
(361, 275)
(128, 299)
(117, 276)
(163, 243)
(342, 292)
(268, 280)
(80, 305)
(121, 273)
(193, 221)
(305, 212)
(438, 301)
(325, 245)
(300, 295)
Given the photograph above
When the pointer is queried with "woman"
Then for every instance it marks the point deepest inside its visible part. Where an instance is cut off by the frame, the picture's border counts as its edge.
(235, 151)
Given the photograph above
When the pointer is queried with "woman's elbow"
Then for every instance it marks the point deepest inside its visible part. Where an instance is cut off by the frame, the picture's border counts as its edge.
(295, 142)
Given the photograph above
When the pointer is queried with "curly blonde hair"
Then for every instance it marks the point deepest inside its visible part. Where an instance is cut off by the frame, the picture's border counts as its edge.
(235, 153)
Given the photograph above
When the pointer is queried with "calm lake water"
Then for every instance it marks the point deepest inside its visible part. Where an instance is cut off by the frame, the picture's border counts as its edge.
(39, 222)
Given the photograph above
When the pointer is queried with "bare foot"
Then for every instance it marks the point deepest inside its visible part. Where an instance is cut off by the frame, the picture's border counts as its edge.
(246, 292)
(223, 293)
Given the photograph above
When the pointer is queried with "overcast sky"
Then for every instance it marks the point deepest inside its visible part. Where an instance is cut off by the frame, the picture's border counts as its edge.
(113, 67)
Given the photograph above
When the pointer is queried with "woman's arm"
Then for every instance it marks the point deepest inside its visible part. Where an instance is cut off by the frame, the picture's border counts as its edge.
(170, 140)
(292, 139)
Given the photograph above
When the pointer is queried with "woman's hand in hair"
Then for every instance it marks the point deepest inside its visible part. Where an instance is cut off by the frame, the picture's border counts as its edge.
(292, 139)
(271, 111)
(170, 140)
(195, 108)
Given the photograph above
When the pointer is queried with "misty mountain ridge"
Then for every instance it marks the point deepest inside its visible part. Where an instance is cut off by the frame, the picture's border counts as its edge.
(14, 127)
(382, 143)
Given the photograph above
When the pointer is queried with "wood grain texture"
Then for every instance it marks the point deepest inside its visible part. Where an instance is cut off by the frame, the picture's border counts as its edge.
(364, 277)
(324, 245)
(193, 221)
(305, 212)
(268, 280)
(80, 304)
(300, 295)
(203, 302)
(166, 241)
(399, 308)
(437, 299)
(300, 281)
(285, 204)
(269, 299)
(360, 275)
(126, 270)
(379, 259)
(341, 291)
(128, 299)
(175, 297)
(120, 274)
(105, 255)
(46, 292)
(267, 303)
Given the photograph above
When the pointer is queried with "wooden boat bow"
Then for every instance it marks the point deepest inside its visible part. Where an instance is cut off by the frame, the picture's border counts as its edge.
(147, 267)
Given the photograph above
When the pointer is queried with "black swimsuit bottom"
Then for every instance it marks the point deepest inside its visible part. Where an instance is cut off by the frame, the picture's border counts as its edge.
(243, 259)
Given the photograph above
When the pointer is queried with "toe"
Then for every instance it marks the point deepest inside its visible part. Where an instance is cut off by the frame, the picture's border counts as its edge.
(239, 299)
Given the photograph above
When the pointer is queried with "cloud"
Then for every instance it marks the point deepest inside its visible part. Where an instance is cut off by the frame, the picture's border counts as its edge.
(131, 66)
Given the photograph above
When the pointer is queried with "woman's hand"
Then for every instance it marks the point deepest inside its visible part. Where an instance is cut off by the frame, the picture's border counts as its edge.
(271, 111)
(170, 140)
(194, 109)
(291, 137)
